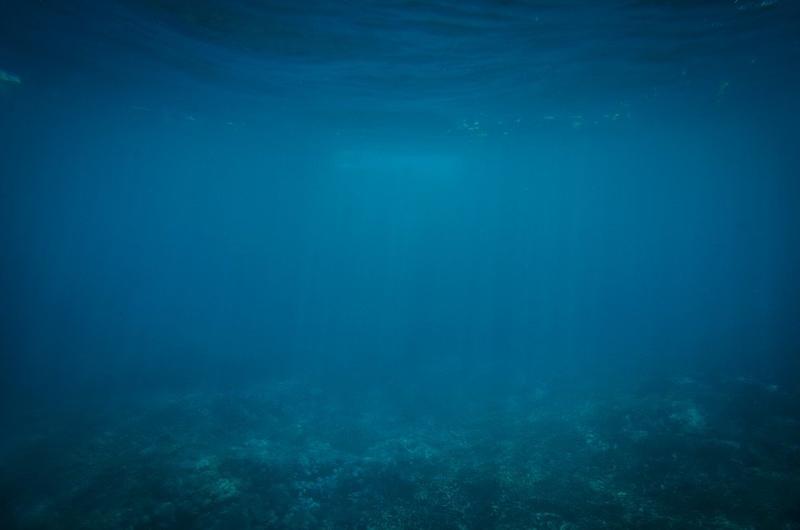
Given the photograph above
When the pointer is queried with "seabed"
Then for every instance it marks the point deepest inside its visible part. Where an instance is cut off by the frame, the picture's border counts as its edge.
(673, 453)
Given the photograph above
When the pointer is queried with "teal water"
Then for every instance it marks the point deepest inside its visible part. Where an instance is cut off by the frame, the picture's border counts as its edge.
(399, 264)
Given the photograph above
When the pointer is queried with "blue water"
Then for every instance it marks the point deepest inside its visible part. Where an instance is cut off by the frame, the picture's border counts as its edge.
(399, 264)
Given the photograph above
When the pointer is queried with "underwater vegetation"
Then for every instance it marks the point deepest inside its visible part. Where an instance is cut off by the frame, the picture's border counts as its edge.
(667, 454)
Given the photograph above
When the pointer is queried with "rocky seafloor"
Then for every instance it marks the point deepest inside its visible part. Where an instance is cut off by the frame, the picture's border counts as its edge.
(674, 453)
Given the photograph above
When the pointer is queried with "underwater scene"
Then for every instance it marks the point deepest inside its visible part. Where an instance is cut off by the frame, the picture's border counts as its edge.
(399, 264)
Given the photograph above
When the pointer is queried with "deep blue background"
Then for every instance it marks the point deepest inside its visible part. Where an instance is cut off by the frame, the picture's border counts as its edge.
(209, 193)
